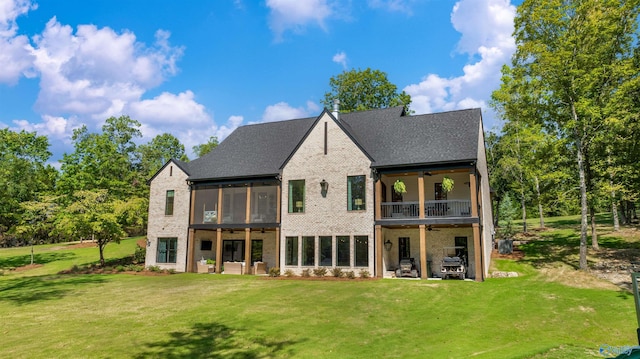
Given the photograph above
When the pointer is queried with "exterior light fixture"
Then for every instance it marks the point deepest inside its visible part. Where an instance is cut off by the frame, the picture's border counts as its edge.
(387, 245)
(324, 187)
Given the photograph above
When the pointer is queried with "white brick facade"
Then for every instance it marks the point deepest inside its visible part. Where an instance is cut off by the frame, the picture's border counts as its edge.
(171, 177)
(327, 216)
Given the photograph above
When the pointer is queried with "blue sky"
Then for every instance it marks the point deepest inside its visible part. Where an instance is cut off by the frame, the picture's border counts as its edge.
(201, 68)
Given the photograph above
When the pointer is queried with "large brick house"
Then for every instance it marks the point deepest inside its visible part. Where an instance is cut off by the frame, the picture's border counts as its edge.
(319, 192)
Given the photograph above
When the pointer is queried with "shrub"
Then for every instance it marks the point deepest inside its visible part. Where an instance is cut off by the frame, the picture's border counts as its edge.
(364, 273)
(336, 272)
(350, 274)
(120, 269)
(306, 272)
(171, 271)
(274, 272)
(139, 255)
(154, 269)
(289, 273)
(320, 272)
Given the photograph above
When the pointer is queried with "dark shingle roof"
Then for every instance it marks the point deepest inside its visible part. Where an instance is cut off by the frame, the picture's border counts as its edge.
(251, 151)
(416, 140)
(388, 137)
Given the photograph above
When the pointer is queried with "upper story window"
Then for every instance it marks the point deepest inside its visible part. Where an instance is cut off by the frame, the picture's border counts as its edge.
(168, 208)
(296, 196)
(356, 193)
(439, 194)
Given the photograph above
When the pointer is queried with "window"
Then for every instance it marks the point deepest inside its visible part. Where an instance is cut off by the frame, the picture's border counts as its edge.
(342, 244)
(356, 193)
(440, 194)
(362, 251)
(168, 208)
(233, 250)
(464, 250)
(167, 248)
(326, 251)
(404, 248)
(291, 251)
(308, 251)
(206, 245)
(296, 196)
(256, 250)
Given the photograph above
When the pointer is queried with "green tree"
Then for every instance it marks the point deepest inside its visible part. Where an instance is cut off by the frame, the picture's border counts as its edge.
(571, 57)
(24, 174)
(92, 214)
(360, 90)
(158, 151)
(203, 149)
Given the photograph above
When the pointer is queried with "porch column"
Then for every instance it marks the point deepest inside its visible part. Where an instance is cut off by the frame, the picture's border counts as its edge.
(247, 211)
(379, 252)
(378, 199)
(218, 249)
(474, 194)
(220, 214)
(192, 206)
(477, 252)
(421, 195)
(190, 241)
(277, 248)
(423, 251)
(247, 251)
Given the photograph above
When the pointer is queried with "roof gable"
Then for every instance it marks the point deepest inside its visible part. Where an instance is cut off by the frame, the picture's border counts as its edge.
(183, 166)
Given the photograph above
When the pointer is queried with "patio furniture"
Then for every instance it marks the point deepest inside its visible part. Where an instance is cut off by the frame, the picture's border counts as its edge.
(259, 268)
(233, 268)
(205, 268)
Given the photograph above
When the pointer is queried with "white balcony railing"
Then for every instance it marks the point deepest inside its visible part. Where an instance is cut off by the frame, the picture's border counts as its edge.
(438, 208)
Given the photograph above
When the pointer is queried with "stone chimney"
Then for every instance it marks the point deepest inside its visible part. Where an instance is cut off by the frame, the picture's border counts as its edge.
(336, 108)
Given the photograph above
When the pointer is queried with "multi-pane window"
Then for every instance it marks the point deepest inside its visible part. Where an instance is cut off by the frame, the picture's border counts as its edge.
(308, 251)
(206, 245)
(291, 251)
(439, 192)
(325, 251)
(342, 246)
(356, 193)
(296, 196)
(256, 250)
(362, 251)
(167, 248)
(168, 208)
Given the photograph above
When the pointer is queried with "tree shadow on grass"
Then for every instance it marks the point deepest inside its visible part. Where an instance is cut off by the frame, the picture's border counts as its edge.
(27, 290)
(553, 248)
(215, 340)
(40, 258)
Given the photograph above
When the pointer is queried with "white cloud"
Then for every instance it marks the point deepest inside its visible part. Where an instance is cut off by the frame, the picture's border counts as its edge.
(282, 111)
(95, 72)
(296, 15)
(169, 109)
(486, 29)
(402, 6)
(340, 58)
(15, 51)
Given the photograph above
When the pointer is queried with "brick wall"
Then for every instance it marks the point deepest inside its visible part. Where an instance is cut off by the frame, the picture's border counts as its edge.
(174, 226)
(327, 216)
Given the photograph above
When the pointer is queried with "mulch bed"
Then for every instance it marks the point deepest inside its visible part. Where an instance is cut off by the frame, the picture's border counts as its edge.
(517, 254)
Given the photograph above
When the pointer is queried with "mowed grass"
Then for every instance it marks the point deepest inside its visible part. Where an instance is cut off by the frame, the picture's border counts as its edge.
(47, 315)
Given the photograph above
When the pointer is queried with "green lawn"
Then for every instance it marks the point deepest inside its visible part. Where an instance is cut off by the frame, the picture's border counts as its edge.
(47, 315)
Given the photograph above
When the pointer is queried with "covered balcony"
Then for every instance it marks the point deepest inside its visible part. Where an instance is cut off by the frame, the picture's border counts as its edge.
(425, 196)
(432, 209)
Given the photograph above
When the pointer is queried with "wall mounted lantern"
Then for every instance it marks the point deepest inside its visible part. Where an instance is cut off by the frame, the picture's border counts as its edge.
(324, 187)
(387, 245)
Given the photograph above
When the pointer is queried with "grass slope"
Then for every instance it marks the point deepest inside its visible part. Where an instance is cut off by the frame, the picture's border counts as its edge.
(46, 315)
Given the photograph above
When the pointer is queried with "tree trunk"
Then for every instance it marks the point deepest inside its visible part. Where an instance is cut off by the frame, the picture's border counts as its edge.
(623, 213)
(539, 202)
(583, 211)
(524, 214)
(614, 212)
(101, 249)
(594, 232)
